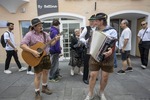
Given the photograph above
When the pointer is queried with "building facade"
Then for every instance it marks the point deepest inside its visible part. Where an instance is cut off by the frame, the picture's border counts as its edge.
(72, 14)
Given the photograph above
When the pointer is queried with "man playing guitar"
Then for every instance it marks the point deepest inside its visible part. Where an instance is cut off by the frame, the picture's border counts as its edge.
(40, 70)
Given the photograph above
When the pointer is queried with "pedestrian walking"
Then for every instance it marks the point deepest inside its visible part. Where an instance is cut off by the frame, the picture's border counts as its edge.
(11, 49)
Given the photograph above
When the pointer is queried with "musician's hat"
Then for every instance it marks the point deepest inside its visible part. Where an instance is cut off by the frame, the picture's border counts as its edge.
(36, 21)
(92, 17)
(101, 16)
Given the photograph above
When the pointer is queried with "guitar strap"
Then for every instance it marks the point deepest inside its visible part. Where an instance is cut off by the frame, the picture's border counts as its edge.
(44, 37)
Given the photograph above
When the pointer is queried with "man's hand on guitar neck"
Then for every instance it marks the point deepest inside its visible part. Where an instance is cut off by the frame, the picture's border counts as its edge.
(35, 53)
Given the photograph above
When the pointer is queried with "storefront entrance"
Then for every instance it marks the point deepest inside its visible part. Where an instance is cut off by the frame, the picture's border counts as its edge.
(134, 18)
(69, 22)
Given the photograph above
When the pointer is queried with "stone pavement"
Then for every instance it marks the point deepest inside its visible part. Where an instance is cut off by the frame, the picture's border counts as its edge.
(131, 86)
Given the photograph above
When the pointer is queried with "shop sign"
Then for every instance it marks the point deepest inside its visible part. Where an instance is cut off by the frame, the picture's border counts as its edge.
(47, 6)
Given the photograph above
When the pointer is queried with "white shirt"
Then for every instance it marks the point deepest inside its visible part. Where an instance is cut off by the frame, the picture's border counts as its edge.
(10, 37)
(146, 36)
(111, 32)
(82, 35)
(126, 34)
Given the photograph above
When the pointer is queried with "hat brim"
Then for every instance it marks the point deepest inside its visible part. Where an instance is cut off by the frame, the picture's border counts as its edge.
(99, 18)
(38, 23)
(91, 19)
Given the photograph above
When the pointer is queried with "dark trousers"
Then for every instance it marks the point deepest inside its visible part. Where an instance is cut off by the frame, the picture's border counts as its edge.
(54, 72)
(29, 68)
(86, 66)
(144, 52)
(8, 59)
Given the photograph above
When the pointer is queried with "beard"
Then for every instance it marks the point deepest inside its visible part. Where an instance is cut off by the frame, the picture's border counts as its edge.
(11, 29)
(41, 30)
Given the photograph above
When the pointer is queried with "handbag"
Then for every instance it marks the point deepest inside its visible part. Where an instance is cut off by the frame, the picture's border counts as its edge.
(142, 37)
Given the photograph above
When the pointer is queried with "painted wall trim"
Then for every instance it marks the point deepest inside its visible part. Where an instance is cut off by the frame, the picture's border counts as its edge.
(63, 14)
(130, 11)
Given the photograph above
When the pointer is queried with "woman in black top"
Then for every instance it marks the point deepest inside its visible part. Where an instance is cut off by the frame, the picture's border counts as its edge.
(76, 48)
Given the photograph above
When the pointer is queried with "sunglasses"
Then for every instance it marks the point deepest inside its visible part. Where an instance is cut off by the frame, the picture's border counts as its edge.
(143, 24)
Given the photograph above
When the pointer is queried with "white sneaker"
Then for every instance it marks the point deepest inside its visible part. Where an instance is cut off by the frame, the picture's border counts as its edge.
(102, 96)
(142, 66)
(7, 72)
(81, 73)
(89, 97)
(72, 72)
(22, 69)
(30, 73)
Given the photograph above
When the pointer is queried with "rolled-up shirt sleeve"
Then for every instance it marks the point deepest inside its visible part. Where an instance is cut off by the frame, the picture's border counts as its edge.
(139, 34)
(114, 34)
(6, 36)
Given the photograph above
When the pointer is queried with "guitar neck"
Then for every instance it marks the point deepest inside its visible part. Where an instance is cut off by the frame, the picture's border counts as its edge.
(48, 43)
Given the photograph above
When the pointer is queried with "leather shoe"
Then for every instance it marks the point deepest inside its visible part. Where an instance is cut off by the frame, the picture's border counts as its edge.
(86, 81)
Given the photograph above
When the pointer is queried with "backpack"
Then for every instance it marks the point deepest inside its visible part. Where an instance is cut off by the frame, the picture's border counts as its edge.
(3, 43)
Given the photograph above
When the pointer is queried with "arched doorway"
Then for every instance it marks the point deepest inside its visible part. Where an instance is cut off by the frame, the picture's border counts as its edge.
(135, 17)
(69, 22)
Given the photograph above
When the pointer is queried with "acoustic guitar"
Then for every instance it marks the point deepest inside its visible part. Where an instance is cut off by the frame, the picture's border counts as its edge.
(30, 59)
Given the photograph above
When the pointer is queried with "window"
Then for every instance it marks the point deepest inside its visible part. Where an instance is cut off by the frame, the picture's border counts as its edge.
(24, 27)
(69, 29)
(3, 23)
(46, 26)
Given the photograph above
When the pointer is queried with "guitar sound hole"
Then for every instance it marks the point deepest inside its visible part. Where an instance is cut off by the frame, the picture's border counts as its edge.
(40, 51)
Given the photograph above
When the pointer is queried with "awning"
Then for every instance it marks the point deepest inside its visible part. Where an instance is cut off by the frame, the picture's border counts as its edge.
(12, 5)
